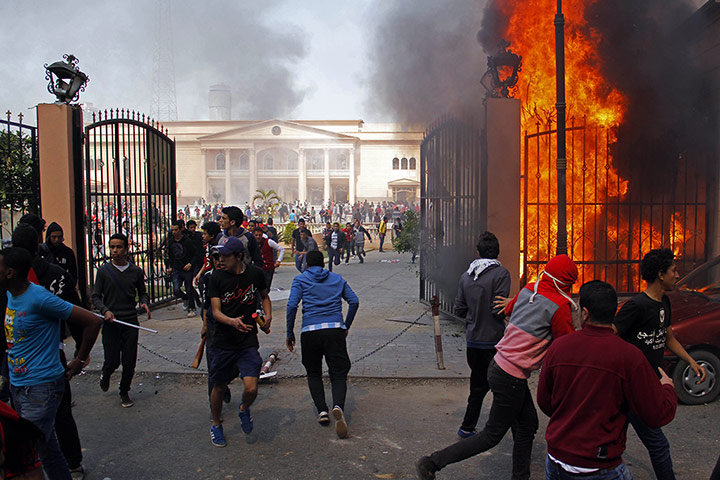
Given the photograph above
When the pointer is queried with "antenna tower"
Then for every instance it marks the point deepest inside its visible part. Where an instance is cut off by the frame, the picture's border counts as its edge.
(164, 101)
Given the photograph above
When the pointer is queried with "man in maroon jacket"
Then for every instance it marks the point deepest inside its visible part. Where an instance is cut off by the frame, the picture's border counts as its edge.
(589, 381)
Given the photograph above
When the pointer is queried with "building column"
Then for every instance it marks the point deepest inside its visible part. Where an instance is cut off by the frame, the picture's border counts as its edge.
(228, 179)
(351, 179)
(302, 176)
(326, 171)
(204, 190)
(253, 175)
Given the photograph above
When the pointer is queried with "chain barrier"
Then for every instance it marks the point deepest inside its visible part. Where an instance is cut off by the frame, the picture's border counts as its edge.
(288, 377)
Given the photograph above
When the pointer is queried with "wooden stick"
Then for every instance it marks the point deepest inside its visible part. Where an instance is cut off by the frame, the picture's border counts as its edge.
(438, 333)
(199, 354)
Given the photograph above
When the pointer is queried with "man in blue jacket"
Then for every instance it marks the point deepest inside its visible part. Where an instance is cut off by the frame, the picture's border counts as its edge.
(323, 333)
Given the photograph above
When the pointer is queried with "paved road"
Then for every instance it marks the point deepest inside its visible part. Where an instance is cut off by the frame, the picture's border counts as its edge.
(400, 405)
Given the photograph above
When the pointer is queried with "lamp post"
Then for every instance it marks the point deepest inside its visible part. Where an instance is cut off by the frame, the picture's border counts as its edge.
(561, 147)
(66, 81)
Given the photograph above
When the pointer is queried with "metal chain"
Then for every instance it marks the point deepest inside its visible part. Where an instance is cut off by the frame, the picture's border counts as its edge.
(359, 359)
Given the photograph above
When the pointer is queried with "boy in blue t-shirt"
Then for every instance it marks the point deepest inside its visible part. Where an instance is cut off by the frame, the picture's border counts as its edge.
(32, 330)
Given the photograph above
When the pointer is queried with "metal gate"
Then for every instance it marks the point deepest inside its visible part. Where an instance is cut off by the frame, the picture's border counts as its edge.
(19, 177)
(130, 189)
(610, 226)
(452, 209)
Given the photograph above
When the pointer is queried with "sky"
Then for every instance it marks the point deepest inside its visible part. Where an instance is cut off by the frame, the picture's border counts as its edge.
(317, 59)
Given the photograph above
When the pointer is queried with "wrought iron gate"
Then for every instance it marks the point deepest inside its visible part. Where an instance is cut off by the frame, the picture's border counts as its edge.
(610, 226)
(451, 206)
(130, 188)
(19, 177)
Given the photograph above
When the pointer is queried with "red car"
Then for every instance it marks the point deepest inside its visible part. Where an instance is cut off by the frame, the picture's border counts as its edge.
(696, 325)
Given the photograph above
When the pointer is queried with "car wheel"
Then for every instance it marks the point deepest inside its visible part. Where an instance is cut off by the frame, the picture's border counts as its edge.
(684, 378)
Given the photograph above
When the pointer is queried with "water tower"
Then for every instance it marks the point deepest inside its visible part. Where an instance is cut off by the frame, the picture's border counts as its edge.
(220, 102)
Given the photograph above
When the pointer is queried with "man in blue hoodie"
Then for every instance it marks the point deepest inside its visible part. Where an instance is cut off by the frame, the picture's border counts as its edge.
(323, 334)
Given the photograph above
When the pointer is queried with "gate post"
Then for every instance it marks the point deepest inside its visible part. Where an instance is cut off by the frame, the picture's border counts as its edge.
(60, 166)
(501, 178)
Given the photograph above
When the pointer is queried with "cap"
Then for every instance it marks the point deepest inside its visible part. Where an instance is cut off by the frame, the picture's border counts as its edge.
(231, 246)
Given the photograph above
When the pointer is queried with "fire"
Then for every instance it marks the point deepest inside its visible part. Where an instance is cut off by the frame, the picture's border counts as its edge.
(595, 108)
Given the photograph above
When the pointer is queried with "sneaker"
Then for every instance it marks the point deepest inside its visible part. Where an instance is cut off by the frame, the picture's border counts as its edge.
(323, 418)
(425, 469)
(191, 313)
(77, 473)
(104, 382)
(465, 433)
(246, 420)
(125, 401)
(227, 396)
(340, 424)
(217, 437)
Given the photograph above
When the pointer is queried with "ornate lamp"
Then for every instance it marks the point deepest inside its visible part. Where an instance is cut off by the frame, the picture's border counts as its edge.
(502, 72)
(66, 81)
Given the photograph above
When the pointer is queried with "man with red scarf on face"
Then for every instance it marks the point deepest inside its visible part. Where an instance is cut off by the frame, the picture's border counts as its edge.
(539, 313)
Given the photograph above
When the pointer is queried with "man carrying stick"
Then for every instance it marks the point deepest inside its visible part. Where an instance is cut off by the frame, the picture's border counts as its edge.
(232, 332)
(116, 285)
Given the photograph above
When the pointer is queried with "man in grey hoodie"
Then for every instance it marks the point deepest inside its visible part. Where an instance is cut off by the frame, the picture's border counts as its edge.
(483, 281)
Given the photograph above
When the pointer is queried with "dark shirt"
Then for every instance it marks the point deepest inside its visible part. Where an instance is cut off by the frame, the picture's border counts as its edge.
(115, 290)
(180, 252)
(643, 322)
(239, 296)
(62, 256)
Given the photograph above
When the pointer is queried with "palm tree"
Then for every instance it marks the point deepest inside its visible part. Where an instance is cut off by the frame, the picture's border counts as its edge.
(269, 198)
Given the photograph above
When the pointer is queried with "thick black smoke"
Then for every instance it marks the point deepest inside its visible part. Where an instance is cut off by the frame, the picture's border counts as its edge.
(426, 60)
(650, 53)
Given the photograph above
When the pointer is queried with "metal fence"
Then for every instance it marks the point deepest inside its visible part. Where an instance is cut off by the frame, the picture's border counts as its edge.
(130, 188)
(452, 211)
(612, 221)
(19, 177)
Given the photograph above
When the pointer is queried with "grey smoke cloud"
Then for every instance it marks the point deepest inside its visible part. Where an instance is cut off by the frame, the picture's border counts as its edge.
(220, 41)
(426, 60)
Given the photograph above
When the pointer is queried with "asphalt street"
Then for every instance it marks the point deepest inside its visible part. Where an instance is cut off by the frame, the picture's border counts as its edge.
(400, 406)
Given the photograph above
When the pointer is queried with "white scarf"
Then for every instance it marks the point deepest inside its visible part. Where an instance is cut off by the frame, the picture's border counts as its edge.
(479, 265)
(555, 282)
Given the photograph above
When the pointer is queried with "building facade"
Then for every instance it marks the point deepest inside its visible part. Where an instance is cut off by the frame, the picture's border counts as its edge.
(315, 161)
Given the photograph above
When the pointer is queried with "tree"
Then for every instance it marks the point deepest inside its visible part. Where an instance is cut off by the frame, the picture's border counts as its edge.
(409, 239)
(269, 198)
(18, 181)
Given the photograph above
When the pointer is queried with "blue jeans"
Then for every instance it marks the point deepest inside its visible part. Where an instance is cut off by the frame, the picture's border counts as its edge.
(39, 404)
(657, 446)
(300, 262)
(553, 471)
(382, 240)
(334, 257)
(180, 277)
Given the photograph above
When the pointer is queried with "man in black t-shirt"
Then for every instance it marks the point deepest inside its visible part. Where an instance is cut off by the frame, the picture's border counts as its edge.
(645, 321)
(296, 244)
(232, 331)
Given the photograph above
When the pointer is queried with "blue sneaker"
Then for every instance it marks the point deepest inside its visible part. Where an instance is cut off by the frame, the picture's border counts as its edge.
(246, 420)
(217, 437)
(465, 433)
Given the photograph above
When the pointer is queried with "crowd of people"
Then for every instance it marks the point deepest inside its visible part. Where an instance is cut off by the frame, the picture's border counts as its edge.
(590, 396)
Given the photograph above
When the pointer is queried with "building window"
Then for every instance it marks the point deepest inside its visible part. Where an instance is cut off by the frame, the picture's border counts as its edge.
(341, 162)
(292, 161)
(220, 161)
(268, 162)
(404, 164)
(413, 163)
(396, 163)
(316, 161)
(244, 161)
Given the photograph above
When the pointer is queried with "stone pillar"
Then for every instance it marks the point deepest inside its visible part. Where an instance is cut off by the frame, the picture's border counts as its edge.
(253, 174)
(58, 191)
(351, 180)
(302, 176)
(228, 178)
(501, 192)
(205, 174)
(326, 171)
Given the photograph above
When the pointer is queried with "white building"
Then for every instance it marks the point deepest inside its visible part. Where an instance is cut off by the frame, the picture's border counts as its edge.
(315, 161)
